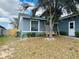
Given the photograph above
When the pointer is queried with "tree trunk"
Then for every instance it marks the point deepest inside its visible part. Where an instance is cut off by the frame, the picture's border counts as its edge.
(58, 30)
(50, 26)
(50, 23)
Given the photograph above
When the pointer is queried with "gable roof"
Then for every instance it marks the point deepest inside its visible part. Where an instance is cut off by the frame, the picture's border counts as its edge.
(68, 16)
(2, 27)
(28, 16)
(61, 18)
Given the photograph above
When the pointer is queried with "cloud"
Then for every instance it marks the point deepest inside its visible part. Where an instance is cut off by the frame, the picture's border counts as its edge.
(40, 11)
(3, 12)
(77, 5)
(5, 20)
(8, 7)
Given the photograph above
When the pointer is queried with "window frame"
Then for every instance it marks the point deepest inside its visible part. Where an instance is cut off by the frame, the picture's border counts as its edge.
(71, 25)
(31, 25)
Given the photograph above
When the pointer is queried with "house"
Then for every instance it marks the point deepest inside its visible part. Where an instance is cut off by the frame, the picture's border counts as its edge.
(2, 31)
(68, 25)
(28, 24)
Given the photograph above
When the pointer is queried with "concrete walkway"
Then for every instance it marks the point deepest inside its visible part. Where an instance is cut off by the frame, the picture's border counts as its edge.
(72, 37)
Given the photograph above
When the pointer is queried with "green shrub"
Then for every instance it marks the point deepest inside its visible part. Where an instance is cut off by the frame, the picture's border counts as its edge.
(31, 34)
(77, 34)
(1, 35)
(34, 34)
(63, 33)
(24, 35)
(41, 35)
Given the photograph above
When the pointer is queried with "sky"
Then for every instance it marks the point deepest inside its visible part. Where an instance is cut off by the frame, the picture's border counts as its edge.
(31, 1)
(8, 8)
(5, 22)
(11, 7)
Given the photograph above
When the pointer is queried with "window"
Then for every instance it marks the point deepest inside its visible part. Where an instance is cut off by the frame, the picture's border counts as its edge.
(71, 25)
(34, 25)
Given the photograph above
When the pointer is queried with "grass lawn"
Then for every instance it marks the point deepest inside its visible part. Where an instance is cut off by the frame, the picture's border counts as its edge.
(5, 39)
(39, 48)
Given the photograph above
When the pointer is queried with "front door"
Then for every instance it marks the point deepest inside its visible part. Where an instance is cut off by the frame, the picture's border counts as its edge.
(72, 28)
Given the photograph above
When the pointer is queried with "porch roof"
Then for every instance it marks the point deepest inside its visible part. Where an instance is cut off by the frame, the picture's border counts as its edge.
(41, 18)
(68, 16)
(28, 16)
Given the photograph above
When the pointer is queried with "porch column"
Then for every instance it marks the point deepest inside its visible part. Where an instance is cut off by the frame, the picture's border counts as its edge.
(30, 25)
(38, 25)
(20, 25)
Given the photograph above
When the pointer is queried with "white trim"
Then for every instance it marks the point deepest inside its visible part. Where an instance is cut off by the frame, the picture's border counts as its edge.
(34, 18)
(30, 25)
(33, 31)
(69, 27)
(38, 25)
(21, 25)
(73, 24)
(20, 22)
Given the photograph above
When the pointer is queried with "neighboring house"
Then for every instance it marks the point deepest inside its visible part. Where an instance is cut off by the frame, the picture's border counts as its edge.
(2, 31)
(68, 24)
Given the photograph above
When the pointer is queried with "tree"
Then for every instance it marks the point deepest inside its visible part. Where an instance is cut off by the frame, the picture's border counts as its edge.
(53, 9)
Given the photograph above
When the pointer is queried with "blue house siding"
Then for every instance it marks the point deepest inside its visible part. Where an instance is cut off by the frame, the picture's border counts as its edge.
(63, 26)
(77, 24)
(42, 25)
(76, 19)
(26, 24)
